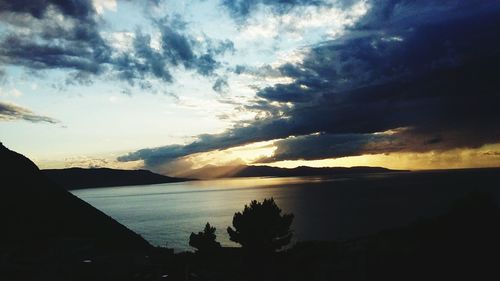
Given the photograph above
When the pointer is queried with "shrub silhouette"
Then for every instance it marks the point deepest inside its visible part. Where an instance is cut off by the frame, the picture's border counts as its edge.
(204, 241)
(261, 227)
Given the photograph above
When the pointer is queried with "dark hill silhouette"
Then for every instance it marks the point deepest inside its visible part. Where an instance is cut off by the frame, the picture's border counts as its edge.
(78, 178)
(211, 171)
(39, 216)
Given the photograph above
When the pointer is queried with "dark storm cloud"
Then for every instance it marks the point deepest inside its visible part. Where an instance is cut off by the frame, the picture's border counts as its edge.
(10, 112)
(75, 43)
(400, 14)
(426, 66)
(382, 81)
(324, 146)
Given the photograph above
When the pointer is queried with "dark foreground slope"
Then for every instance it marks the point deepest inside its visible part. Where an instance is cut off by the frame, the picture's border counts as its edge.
(43, 226)
(461, 244)
(78, 178)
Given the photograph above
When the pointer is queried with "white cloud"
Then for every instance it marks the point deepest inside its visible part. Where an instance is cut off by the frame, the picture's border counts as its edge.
(293, 56)
(101, 5)
(296, 24)
(120, 41)
(156, 41)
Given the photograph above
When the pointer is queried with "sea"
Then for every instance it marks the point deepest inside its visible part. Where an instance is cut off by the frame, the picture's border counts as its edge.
(324, 208)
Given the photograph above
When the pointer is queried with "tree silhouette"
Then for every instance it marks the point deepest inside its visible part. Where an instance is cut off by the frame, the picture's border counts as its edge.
(261, 227)
(204, 241)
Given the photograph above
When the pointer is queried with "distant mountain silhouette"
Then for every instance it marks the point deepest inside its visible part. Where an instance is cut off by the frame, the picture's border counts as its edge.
(259, 171)
(78, 178)
(40, 218)
(211, 171)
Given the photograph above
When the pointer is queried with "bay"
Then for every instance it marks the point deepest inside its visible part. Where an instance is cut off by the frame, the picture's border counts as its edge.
(325, 208)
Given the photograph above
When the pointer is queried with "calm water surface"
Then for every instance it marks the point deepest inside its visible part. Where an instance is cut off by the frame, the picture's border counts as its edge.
(324, 208)
(166, 214)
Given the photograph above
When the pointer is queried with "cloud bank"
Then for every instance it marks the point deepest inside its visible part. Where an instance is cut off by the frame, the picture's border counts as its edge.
(408, 76)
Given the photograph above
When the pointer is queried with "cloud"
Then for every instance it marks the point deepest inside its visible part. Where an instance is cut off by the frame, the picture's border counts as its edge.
(11, 112)
(97, 162)
(303, 23)
(220, 85)
(433, 74)
(327, 146)
(68, 35)
(241, 9)
(180, 48)
(78, 9)
(177, 48)
(101, 5)
(237, 136)
(52, 34)
(143, 61)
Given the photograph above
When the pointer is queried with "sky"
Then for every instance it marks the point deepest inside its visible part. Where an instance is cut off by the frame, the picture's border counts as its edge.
(173, 86)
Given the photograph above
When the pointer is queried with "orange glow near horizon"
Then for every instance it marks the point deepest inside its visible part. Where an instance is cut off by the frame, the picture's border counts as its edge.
(485, 156)
(228, 159)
